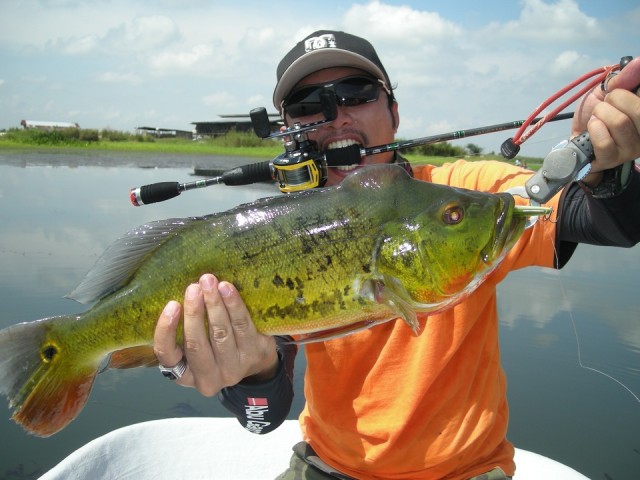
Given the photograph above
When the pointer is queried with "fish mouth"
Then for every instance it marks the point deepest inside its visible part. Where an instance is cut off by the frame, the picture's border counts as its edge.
(503, 232)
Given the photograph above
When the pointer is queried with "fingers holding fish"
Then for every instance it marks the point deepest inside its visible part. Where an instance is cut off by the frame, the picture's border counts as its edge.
(164, 342)
(230, 350)
(198, 349)
(239, 350)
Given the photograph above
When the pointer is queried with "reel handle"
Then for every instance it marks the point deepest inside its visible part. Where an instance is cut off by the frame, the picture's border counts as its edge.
(260, 122)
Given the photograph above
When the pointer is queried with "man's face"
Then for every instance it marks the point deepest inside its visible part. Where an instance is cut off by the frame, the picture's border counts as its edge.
(369, 124)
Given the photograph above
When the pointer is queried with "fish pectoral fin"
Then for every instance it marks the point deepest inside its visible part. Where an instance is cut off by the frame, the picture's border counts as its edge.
(399, 304)
(332, 333)
(133, 357)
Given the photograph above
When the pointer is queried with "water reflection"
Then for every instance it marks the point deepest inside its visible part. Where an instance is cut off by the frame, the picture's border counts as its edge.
(587, 298)
(567, 339)
(55, 222)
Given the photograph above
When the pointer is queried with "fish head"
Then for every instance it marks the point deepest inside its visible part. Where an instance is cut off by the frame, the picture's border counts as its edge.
(434, 258)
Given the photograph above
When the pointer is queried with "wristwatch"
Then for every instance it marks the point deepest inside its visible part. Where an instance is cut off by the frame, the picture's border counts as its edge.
(613, 182)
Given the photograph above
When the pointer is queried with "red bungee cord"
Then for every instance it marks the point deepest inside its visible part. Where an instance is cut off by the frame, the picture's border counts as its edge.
(511, 146)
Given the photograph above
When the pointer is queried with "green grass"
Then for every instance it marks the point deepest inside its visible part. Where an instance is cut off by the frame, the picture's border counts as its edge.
(237, 144)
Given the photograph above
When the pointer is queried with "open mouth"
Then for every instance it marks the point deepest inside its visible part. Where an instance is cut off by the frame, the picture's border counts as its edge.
(340, 144)
(502, 232)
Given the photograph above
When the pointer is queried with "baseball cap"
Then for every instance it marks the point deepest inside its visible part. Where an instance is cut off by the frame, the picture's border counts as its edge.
(325, 49)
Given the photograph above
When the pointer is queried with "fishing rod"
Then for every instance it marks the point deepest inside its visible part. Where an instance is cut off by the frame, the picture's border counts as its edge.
(389, 147)
(161, 191)
(302, 166)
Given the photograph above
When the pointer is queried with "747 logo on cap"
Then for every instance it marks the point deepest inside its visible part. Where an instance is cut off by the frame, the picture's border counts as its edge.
(323, 41)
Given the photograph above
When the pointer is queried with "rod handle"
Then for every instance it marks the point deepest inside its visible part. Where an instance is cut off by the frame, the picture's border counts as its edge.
(155, 192)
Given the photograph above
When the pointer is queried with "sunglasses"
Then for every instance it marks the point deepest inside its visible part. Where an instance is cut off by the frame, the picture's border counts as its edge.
(349, 92)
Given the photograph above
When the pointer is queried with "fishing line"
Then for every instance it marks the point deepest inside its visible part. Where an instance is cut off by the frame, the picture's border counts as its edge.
(580, 362)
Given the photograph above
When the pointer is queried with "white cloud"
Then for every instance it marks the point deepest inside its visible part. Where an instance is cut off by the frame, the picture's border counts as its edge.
(254, 100)
(34, 79)
(172, 62)
(567, 61)
(219, 100)
(76, 46)
(142, 34)
(548, 24)
(119, 77)
(400, 23)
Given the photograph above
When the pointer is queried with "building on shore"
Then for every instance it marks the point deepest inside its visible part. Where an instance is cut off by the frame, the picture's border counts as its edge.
(237, 122)
(28, 124)
(164, 132)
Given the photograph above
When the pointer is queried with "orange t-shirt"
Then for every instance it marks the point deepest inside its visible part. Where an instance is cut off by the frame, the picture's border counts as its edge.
(384, 403)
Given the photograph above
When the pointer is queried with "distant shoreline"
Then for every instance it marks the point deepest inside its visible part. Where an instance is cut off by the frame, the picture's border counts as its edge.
(160, 147)
(202, 155)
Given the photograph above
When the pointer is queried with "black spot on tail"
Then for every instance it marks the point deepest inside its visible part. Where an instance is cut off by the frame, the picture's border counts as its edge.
(49, 352)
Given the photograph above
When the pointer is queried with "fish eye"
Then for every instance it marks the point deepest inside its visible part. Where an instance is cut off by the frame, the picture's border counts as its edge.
(49, 352)
(453, 215)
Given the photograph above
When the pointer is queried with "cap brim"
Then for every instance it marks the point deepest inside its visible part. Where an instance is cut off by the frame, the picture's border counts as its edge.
(318, 60)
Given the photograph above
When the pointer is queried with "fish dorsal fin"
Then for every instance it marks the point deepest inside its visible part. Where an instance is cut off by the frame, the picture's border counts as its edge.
(123, 257)
(375, 177)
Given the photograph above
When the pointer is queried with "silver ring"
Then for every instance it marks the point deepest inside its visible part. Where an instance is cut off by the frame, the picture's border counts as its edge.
(174, 373)
(604, 85)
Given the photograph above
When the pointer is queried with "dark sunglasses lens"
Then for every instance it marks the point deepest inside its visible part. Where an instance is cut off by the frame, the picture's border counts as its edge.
(304, 102)
(349, 92)
(356, 91)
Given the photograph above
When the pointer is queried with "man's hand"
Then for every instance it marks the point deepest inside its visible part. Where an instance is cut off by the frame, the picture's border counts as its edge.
(221, 344)
(612, 119)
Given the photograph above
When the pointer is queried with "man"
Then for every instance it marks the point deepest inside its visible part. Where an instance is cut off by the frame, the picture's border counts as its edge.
(383, 403)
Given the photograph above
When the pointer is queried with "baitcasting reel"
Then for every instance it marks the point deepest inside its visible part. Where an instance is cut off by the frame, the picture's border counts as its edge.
(301, 166)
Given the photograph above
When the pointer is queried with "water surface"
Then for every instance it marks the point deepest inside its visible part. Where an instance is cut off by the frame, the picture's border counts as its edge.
(56, 220)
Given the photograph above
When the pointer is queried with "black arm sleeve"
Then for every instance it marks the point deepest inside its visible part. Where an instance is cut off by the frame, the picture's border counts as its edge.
(611, 222)
(262, 407)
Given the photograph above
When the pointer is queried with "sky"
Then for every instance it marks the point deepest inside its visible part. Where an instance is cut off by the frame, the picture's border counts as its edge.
(122, 64)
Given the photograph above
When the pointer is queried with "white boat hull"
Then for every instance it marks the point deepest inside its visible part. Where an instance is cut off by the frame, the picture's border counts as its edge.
(194, 448)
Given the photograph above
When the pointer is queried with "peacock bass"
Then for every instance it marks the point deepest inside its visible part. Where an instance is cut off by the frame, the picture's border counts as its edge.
(377, 247)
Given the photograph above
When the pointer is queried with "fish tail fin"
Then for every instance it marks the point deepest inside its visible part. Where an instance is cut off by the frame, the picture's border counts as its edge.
(46, 384)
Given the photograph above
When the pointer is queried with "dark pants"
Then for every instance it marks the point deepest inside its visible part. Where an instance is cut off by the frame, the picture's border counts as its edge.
(306, 465)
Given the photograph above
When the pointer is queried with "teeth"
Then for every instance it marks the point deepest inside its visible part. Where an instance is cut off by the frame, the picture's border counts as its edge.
(342, 144)
(347, 168)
